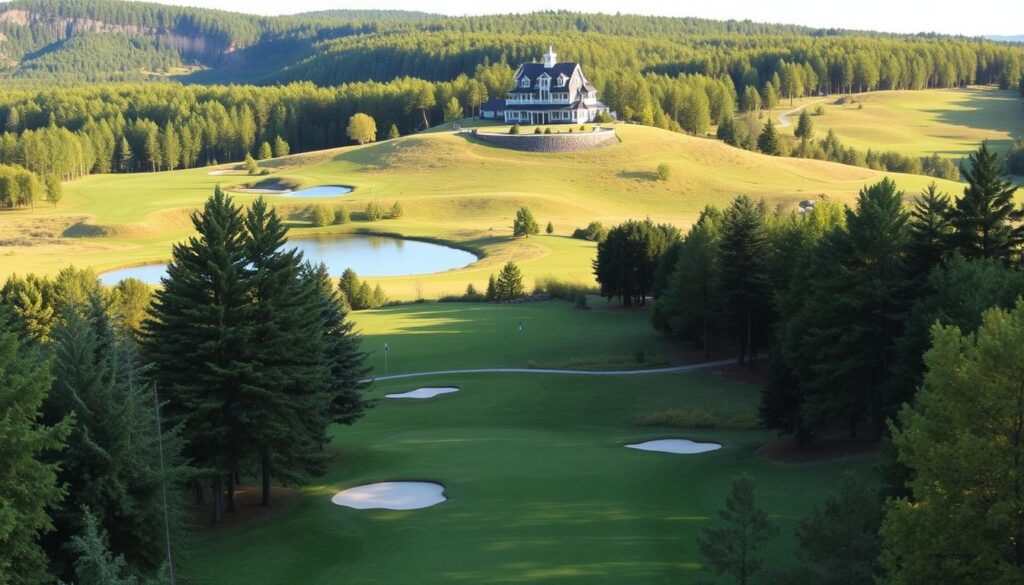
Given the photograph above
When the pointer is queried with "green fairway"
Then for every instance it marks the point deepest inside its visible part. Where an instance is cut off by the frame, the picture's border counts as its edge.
(949, 122)
(436, 336)
(451, 188)
(540, 489)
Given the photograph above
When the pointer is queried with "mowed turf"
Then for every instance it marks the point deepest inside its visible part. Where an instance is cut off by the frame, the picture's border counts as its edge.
(437, 336)
(948, 122)
(540, 488)
(451, 188)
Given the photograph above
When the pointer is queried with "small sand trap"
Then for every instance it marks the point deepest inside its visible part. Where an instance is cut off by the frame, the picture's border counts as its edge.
(392, 495)
(225, 172)
(423, 393)
(677, 446)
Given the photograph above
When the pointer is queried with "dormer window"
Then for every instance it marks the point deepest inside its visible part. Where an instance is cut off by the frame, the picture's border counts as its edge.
(561, 80)
(525, 82)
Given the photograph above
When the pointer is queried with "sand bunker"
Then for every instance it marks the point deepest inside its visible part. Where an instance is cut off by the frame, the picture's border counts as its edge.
(677, 446)
(423, 393)
(226, 172)
(392, 495)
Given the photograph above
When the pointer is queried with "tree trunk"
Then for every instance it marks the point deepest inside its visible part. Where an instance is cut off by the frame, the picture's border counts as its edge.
(217, 499)
(265, 472)
(231, 492)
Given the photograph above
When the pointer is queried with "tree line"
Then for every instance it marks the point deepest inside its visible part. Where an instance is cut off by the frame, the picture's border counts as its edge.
(896, 322)
(233, 370)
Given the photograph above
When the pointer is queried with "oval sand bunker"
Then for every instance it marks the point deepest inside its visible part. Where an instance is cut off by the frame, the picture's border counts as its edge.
(423, 393)
(677, 446)
(392, 495)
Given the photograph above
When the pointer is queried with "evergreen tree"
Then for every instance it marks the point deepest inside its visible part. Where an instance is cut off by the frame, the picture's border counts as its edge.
(265, 151)
(838, 540)
(840, 340)
(627, 259)
(768, 141)
(550, 229)
(28, 485)
(963, 522)
(509, 285)
(198, 338)
(281, 405)
(250, 164)
(492, 289)
(984, 218)
(743, 285)
(343, 386)
(393, 132)
(125, 157)
(281, 147)
(928, 236)
(805, 127)
(732, 548)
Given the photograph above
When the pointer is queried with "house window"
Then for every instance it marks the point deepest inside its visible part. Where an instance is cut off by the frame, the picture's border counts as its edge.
(561, 81)
(525, 82)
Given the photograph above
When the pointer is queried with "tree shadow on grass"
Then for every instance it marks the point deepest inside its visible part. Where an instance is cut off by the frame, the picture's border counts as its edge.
(994, 111)
(638, 175)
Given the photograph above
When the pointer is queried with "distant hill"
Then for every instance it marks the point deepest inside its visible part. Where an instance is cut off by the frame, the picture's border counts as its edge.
(1007, 38)
(73, 41)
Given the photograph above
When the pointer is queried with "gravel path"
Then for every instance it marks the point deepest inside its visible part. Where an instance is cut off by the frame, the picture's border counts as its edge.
(784, 120)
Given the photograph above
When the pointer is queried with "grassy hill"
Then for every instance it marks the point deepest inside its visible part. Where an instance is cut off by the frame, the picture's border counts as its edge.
(452, 189)
(950, 122)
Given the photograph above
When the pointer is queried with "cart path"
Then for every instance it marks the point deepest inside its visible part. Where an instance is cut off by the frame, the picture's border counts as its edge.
(648, 371)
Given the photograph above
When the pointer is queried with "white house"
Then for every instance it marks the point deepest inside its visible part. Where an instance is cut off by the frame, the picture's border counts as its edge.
(547, 93)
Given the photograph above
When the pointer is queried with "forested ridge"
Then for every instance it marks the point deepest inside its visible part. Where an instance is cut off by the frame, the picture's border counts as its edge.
(310, 73)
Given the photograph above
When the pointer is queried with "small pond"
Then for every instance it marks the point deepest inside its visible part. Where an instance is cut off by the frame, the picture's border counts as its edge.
(367, 255)
(319, 192)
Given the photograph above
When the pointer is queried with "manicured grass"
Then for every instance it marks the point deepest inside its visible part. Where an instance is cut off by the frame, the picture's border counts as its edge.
(540, 489)
(950, 122)
(437, 336)
(451, 188)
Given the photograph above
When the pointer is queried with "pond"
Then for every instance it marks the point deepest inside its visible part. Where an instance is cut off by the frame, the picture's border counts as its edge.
(319, 192)
(367, 255)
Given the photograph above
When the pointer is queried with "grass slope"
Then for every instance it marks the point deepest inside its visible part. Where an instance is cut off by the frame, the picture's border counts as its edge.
(451, 188)
(950, 122)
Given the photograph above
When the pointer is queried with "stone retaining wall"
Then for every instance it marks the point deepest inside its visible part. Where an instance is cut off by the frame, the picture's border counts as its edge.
(562, 142)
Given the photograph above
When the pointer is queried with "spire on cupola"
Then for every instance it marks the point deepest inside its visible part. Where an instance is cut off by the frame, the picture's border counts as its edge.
(550, 58)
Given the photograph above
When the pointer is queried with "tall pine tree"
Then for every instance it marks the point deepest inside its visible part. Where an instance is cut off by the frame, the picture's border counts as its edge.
(984, 218)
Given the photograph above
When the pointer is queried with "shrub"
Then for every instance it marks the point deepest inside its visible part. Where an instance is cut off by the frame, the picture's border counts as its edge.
(564, 289)
(581, 301)
(250, 165)
(374, 212)
(396, 211)
(603, 118)
(583, 128)
(594, 232)
(1015, 158)
(471, 290)
(515, 129)
(322, 216)
(550, 229)
(664, 171)
(524, 224)
(819, 111)
(537, 130)
(547, 130)
(341, 215)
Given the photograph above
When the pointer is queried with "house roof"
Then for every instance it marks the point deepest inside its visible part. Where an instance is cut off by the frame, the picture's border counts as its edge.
(535, 70)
